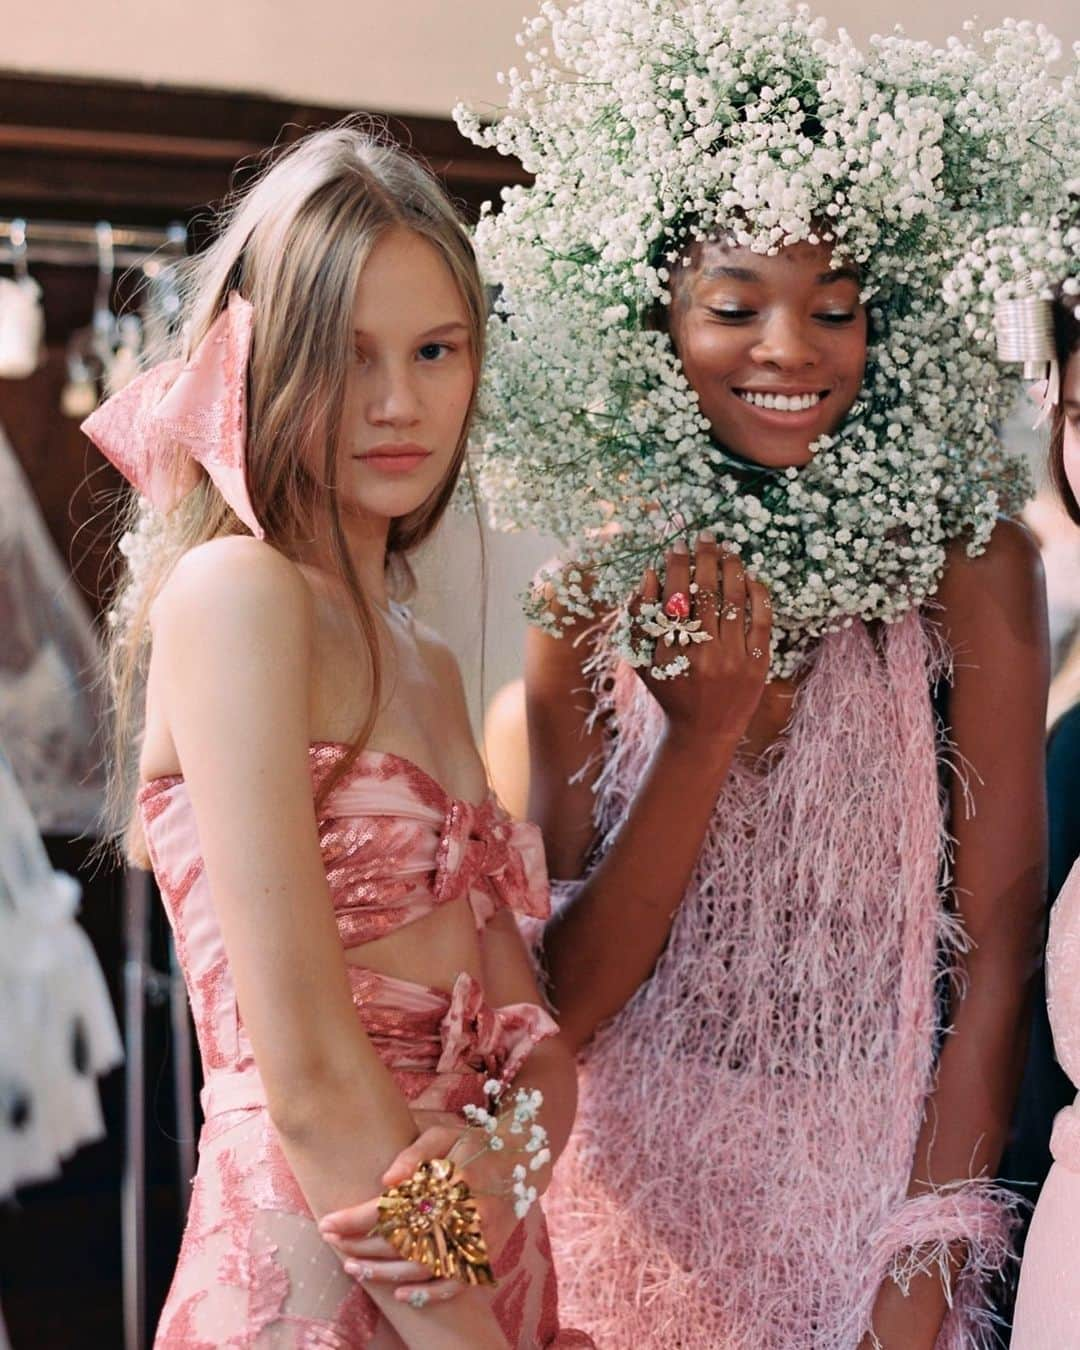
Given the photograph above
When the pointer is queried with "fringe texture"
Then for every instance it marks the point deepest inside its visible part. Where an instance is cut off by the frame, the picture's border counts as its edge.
(737, 1177)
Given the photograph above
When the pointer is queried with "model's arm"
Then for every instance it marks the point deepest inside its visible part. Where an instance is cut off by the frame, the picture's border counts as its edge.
(994, 620)
(232, 639)
(601, 946)
(508, 978)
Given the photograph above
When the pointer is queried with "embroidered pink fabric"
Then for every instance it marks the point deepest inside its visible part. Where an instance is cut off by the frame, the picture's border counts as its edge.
(159, 428)
(1048, 1301)
(746, 1125)
(253, 1270)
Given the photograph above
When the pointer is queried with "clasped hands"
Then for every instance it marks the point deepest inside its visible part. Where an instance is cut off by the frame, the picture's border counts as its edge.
(371, 1259)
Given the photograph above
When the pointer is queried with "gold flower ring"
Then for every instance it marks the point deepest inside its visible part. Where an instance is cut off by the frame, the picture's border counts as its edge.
(432, 1219)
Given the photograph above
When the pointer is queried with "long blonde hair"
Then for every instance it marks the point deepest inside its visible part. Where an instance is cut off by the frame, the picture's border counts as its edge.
(294, 244)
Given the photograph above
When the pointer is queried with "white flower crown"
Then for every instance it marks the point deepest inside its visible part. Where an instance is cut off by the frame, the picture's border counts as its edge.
(651, 123)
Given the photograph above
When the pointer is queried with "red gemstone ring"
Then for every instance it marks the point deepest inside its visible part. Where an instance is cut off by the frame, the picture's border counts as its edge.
(677, 606)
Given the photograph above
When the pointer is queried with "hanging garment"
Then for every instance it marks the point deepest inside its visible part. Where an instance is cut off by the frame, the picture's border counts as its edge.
(52, 706)
(57, 1027)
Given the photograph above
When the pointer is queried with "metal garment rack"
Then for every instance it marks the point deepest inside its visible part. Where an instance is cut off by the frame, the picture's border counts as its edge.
(106, 248)
(133, 1185)
(72, 243)
(143, 985)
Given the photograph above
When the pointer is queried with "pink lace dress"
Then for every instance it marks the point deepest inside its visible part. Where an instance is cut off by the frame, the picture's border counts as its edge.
(253, 1270)
(746, 1125)
(1048, 1300)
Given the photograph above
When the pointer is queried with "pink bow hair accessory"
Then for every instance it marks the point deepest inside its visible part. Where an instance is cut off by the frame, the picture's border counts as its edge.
(182, 414)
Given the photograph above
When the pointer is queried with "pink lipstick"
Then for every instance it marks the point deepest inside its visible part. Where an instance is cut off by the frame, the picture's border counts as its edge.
(395, 459)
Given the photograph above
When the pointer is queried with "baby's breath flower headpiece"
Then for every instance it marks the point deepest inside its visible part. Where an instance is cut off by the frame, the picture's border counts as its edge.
(650, 123)
(1008, 282)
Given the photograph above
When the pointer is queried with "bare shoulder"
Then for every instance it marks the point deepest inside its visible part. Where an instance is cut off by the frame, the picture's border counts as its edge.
(231, 659)
(993, 617)
(237, 587)
(1006, 578)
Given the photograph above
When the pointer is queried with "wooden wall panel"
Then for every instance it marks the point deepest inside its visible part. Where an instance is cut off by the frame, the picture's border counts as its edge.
(76, 149)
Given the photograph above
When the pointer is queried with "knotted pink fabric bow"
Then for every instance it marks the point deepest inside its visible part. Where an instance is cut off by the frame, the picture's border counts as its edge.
(179, 415)
(498, 860)
(496, 1041)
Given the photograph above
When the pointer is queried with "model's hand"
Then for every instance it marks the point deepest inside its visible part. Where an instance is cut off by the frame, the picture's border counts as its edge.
(716, 698)
(371, 1258)
(909, 1321)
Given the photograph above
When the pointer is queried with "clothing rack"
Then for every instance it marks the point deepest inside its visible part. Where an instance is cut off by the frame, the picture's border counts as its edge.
(145, 985)
(74, 243)
(107, 248)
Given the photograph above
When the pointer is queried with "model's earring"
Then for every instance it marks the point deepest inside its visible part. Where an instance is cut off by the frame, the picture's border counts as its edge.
(1025, 334)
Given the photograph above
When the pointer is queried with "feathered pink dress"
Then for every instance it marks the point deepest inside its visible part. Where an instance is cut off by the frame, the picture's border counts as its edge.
(1048, 1301)
(253, 1270)
(747, 1124)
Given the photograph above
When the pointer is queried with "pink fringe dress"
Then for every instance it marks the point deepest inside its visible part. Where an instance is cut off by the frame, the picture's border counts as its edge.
(1048, 1300)
(747, 1124)
(253, 1270)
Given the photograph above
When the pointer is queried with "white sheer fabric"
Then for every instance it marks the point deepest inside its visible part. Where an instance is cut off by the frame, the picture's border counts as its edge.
(57, 1028)
(52, 707)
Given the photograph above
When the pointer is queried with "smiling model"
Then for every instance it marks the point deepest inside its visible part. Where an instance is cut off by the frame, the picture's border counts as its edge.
(768, 854)
(774, 347)
(791, 777)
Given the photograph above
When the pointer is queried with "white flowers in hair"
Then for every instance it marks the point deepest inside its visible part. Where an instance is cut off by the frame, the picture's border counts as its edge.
(651, 123)
(139, 548)
(1031, 258)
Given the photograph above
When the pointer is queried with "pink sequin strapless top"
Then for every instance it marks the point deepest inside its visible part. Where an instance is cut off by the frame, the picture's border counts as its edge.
(395, 846)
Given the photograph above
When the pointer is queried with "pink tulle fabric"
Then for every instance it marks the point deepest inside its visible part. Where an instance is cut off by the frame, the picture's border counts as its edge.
(178, 415)
(746, 1126)
(1048, 1300)
(253, 1270)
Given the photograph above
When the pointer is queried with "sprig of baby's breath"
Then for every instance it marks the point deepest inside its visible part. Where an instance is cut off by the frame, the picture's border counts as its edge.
(515, 1128)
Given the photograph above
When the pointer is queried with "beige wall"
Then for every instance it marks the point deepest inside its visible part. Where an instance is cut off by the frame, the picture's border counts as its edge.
(394, 55)
(384, 55)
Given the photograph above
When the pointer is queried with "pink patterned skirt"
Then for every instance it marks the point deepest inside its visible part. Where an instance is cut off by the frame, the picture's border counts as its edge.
(253, 1270)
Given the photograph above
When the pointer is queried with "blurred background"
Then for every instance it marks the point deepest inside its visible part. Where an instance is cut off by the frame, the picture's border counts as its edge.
(416, 56)
(120, 125)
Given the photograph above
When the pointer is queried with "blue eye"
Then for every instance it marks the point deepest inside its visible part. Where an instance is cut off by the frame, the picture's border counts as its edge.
(432, 351)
